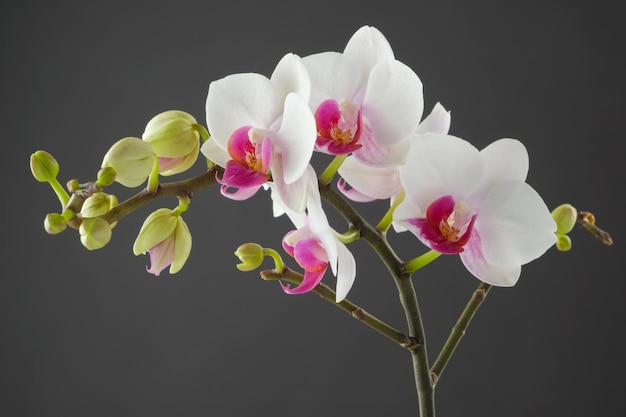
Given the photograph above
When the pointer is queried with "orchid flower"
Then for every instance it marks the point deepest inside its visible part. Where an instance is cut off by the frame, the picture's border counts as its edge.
(314, 246)
(262, 130)
(365, 101)
(368, 183)
(460, 200)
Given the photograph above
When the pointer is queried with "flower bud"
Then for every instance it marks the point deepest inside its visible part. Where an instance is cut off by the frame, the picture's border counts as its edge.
(251, 256)
(565, 217)
(95, 233)
(174, 140)
(43, 166)
(54, 223)
(98, 204)
(166, 238)
(106, 176)
(132, 160)
(563, 243)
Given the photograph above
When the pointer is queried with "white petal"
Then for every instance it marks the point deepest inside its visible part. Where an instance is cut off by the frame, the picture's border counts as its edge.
(241, 100)
(506, 159)
(439, 165)
(291, 76)
(515, 224)
(296, 137)
(498, 275)
(215, 153)
(377, 182)
(333, 76)
(393, 103)
(438, 121)
(406, 210)
(368, 46)
(346, 272)
(292, 196)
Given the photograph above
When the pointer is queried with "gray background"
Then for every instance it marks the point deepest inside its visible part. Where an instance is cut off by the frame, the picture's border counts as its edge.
(92, 334)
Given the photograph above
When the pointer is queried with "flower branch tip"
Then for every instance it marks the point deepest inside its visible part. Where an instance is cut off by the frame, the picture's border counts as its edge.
(588, 221)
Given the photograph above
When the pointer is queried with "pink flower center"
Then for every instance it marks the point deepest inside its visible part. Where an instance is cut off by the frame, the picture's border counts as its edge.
(339, 126)
(448, 224)
(251, 147)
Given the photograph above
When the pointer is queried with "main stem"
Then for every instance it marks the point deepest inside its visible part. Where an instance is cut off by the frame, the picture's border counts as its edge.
(408, 298)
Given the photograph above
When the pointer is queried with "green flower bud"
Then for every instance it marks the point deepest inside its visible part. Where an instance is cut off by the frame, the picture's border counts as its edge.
(98, 204)
(565, 218)
(251, 256)
(43, 166)
(54, 223)
(563, 242)
(174, 140)
(94, 233)
(106, 176)
(131, 159)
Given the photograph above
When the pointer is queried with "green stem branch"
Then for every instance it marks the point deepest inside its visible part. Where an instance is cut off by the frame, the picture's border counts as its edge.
(355, 311)
(178, 188)
(459, 330)
(377, 240)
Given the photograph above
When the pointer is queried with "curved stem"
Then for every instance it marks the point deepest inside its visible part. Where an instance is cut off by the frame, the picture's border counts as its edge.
(387, 219)
(421, 261)
(355, 311)
(377, 240)
(326, 177)
(459, 330)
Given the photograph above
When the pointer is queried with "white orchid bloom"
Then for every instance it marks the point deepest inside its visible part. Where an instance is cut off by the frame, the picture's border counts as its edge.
(460, 200)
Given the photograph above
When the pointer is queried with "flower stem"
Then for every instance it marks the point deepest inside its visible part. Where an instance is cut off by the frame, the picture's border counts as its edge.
(278, 261)
(387, 219)
(459, 330)
(327, 175)
(355, 311)
(178, 188)
(58, 189)
(408, 298)
(421, 261)
(153, 179)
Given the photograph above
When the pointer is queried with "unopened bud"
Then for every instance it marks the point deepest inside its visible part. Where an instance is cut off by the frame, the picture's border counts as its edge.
(131, 159)
(98, 204)
(94, 233)
(43, 166)
(565, 217)
(251, 256)
(174, 140)
(106, 176)
(563, 242)
(54, 223)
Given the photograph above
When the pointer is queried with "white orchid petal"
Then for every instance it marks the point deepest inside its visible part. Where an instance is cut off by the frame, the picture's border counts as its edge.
(241, 100)
(393, 103)
(295, 138)
(346, 272)
(377, 182)
(215, 153)
(291, 76)
(438, 121)
(498, 275)
(368, 46)
(439, 165)
(333, 76)
(515, 224)
(506, 159)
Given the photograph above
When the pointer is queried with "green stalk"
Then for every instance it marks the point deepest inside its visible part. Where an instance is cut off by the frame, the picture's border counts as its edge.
(327, 175)
(459, 330)
(355, 311)
(408, 298)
